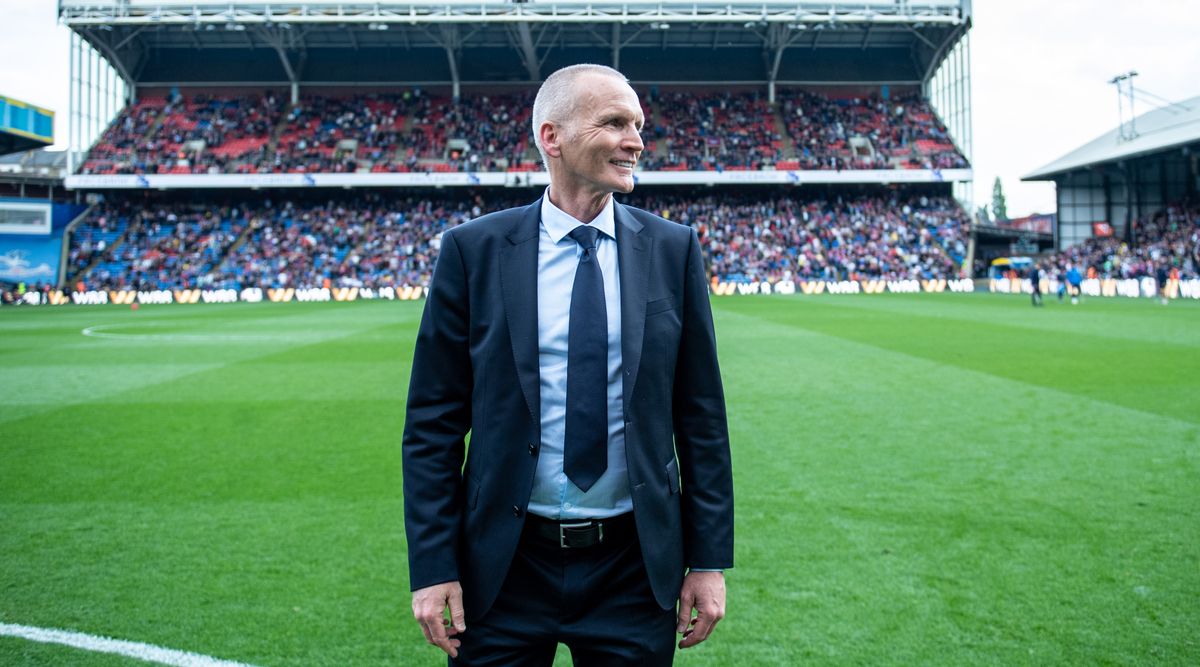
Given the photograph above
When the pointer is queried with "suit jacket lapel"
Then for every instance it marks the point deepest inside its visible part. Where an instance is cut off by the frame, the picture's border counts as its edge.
(633, 263)
(518, 283)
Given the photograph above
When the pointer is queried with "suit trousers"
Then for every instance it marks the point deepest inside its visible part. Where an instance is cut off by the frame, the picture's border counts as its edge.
(596, 600)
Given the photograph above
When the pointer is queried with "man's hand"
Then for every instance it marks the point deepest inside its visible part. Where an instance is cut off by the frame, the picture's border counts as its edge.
(704, 593)
(429, 607)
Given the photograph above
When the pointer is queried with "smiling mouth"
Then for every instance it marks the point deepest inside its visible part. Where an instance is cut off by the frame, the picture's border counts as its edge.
(628, 164)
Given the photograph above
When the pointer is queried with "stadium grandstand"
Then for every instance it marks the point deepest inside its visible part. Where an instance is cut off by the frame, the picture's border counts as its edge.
(34, 208)
(1129, 200)
(27, 168)
(262, 146)
(33, 173)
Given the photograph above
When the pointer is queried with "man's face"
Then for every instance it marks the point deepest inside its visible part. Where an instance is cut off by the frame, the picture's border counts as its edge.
(602, 141)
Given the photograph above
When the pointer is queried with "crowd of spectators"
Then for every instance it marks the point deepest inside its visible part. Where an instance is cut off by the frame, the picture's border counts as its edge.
(1168, 239)
(375, 240)
(415, 131)
(845, 238)
(163, 247)
(125, 138)
(204, 134)
(407, 131)
(367, 241)
(403, 245)
(370, 241)
(866, 133)
(711, 131)
(477, 133)
(93, 237)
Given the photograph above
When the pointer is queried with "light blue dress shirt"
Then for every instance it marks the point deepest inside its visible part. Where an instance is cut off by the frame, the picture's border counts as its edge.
(554, 496)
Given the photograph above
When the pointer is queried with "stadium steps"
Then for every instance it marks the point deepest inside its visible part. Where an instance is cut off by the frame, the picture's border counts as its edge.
(159, 119)
(660, 146)
(789, 145)
(255, 224)
(940, 244)
(109, 253)
(276, 132)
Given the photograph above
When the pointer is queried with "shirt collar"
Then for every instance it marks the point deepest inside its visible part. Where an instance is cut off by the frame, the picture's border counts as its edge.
(559, 223)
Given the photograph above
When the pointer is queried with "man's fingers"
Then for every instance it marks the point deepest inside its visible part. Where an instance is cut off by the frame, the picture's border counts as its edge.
(425, 631)
(681, 623)
(429, 607)
(457, 616)
(704, 593)
(442, 640)
(437, 632)
(685, 612)
(694, 634)
(702, 627)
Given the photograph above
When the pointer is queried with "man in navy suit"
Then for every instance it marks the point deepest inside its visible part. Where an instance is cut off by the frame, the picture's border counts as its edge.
(573, 339)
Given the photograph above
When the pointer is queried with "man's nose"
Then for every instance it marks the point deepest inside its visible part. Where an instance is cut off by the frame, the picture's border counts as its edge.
(633, 140)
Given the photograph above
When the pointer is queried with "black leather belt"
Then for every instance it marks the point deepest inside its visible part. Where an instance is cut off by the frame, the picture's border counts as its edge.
(582, 533)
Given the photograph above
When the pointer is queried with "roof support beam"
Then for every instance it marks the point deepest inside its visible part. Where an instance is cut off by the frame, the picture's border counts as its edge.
(776, 40)
(528, 52)
(939, 52)
(275, 39)
(110, 53)
(615, 42)
(616, 46)
(917, 33)
(119, 45)
(452, 43)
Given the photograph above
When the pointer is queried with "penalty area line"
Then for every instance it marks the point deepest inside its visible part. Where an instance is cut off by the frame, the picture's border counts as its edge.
(138, 650)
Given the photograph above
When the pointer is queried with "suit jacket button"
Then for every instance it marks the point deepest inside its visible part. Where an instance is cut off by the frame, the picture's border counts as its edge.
(516, 511)
(532, 449)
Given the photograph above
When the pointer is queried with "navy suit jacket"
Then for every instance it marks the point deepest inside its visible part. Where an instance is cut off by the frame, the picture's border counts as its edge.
(475, 369)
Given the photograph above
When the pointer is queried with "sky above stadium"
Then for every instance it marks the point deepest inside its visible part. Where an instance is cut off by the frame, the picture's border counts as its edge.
(1040, 73)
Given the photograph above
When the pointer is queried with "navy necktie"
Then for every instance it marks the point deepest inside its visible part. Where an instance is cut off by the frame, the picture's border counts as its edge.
(585, 446)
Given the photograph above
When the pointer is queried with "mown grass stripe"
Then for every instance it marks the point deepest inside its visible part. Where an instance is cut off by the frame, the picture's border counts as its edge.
(1152, 377)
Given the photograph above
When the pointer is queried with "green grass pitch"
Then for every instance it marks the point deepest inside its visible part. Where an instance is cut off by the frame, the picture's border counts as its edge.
(921, 480)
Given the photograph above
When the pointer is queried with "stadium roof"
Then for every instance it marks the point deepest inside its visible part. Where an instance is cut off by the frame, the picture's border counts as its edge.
(264, 42)
(24, 126)
(37, 159)
(1162, 129)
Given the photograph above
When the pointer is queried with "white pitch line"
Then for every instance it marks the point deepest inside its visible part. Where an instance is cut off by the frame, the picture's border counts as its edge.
(98, 331)
(138, 650)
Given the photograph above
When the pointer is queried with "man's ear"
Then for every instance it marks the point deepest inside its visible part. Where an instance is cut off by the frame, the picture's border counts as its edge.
(550, 135)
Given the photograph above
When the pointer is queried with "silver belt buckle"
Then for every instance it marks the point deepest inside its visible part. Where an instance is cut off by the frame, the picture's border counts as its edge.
(562, 532)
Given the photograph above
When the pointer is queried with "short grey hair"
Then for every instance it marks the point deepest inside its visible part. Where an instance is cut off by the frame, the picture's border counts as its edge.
(555, 102)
